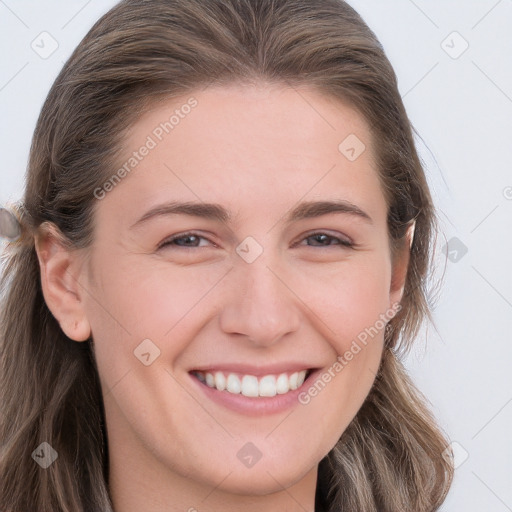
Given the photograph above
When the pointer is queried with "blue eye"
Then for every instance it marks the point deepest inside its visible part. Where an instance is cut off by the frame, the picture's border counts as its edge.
(187, 240)
(193, 240)
(325, 240)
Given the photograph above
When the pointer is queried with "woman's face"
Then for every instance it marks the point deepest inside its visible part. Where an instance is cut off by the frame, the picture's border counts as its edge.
(247, 241)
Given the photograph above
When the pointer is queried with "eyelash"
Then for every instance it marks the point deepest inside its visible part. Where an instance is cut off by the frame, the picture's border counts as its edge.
(341, 241)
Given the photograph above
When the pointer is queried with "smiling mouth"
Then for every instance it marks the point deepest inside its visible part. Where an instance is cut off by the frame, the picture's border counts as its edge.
(252, 386)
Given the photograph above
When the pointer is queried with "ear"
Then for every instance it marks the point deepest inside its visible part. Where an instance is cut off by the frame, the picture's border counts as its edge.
(60, 270)
(400, 266)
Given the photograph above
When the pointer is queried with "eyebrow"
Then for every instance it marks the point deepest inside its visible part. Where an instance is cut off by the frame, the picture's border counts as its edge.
(311, 209)
(195, 209)
(212, 211)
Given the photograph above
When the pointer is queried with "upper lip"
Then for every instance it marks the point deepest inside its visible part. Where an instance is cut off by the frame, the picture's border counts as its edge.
(251, 369)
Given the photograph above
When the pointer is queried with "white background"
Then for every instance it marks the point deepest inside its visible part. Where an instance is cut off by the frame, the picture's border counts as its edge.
(462, 109)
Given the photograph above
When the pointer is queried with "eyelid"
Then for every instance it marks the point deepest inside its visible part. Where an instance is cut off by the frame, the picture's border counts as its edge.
(168, 241)
(344, 239)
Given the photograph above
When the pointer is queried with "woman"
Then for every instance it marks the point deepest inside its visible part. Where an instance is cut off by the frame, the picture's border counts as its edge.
(226, 233)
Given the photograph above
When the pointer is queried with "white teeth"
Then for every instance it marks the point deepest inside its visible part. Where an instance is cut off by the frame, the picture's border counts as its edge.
(210, 381)
(294, 378)
(249, 385)
(269, 385)
(282, 384)
(233, 384)
(220, 381)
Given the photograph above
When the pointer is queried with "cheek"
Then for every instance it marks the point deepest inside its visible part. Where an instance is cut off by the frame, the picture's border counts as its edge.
(132, 302)
(152, 297)
(348, 301)
(349, 307)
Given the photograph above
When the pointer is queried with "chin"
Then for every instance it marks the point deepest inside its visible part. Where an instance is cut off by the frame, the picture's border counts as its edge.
(259, 484)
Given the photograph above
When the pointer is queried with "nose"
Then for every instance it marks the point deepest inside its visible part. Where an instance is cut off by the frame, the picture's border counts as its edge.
(260, 305)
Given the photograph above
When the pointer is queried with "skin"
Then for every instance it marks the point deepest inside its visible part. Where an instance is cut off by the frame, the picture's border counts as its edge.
(257, 151)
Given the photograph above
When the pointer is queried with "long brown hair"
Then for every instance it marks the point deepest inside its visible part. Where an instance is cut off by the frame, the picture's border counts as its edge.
(389, 458)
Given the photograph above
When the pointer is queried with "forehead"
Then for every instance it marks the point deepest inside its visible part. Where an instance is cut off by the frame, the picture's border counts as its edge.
(250, 146)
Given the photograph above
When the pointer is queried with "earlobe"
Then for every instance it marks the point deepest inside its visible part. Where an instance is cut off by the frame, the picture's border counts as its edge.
(60, 271)
(77, 330)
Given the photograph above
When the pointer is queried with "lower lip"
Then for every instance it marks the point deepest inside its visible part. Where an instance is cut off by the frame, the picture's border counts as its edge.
(255, 406)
